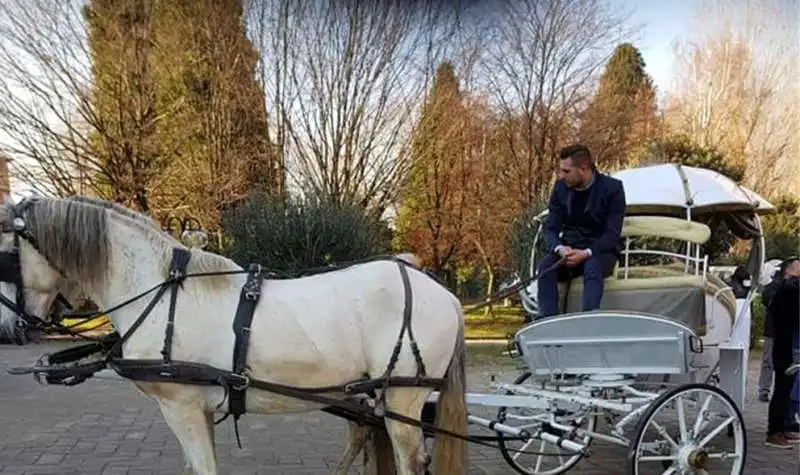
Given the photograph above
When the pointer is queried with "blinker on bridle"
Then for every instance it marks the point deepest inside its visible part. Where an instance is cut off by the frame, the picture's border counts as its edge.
(11, 272)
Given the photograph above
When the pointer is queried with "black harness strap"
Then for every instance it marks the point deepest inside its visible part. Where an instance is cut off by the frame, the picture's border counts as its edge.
(177, 273)
(405, 327)
(177, 267)
(248, 301)
(236, 381)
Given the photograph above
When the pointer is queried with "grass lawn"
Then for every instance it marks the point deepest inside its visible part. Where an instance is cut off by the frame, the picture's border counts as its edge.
(505, 320)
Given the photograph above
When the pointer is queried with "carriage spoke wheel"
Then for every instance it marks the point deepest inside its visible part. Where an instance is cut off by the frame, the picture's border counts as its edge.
(555, 459)
(685, 431)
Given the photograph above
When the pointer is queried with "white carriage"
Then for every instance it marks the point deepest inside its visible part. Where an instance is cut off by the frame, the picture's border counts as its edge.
(663, 362)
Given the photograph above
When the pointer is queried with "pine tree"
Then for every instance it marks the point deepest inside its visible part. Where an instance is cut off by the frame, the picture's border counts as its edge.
(622, 116)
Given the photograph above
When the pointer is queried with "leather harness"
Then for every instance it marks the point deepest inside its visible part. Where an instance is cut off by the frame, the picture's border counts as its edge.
(58, 370)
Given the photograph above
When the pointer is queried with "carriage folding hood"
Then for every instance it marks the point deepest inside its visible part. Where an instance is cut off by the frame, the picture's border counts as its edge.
(683, 191)
(688, 192)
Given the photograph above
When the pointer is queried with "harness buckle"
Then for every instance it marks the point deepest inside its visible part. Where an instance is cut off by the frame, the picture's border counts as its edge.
(175, 274)
(251, 294)
(244, 385)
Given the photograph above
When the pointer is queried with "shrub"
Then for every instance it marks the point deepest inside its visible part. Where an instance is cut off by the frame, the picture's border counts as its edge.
(782, 229)
(290, 235)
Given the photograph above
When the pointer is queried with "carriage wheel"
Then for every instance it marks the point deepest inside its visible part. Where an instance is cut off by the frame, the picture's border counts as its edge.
(685, 431)
(556, 460)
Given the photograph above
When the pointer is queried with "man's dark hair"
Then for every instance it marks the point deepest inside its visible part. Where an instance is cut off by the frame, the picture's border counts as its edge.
(786, 263)
(577, 153)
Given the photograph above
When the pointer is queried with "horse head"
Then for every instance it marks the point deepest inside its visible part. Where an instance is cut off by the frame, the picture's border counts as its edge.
(29, 285)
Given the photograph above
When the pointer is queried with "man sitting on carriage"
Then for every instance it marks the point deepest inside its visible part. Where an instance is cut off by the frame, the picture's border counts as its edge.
(584, 225)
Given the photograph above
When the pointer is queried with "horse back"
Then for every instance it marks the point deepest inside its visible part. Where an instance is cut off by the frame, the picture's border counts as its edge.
(338, 326)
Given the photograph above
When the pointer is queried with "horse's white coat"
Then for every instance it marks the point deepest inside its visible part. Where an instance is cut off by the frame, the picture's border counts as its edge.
(320, 330)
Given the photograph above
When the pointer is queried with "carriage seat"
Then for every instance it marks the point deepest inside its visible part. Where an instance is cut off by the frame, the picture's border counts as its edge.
(664, 290)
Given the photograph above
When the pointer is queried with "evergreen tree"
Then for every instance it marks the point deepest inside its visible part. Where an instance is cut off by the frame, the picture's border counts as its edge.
(434, 198)
(621, 117)
(124, 100)
(176, 83)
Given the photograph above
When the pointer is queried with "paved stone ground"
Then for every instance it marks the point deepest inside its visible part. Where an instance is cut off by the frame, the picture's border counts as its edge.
(105, 427)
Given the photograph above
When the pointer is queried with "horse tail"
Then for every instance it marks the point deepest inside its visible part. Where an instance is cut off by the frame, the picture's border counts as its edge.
(450, 453)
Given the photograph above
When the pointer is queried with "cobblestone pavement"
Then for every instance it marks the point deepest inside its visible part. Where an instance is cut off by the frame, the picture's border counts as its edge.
(105, 427)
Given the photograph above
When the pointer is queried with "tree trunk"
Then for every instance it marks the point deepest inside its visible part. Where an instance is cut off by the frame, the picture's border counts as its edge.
(489, 309)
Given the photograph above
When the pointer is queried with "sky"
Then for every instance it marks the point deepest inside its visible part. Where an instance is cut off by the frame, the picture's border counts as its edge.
(662, 23)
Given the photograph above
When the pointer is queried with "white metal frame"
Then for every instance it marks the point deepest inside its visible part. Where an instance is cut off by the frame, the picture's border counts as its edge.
(700, 263)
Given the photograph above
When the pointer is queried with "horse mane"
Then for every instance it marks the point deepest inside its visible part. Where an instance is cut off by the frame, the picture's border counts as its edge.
(72, 234)
(135, 215)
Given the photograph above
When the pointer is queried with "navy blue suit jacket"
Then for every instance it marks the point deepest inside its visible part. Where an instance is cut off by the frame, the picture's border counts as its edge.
(605, 211)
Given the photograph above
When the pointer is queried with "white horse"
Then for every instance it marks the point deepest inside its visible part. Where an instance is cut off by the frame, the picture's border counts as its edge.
(372, 442)
(321, 330)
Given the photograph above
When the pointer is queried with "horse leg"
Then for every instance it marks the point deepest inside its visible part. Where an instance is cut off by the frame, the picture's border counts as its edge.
(356, 439)
(187, 466)
(194, 429)
(409, 452)
(450, 453)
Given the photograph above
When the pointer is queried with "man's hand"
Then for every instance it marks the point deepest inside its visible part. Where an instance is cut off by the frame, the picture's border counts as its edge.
(563, 251)
(576, 256)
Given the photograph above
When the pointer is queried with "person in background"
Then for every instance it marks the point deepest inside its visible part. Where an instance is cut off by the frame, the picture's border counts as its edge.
(785, 308)
(737, 282)
(765, 377)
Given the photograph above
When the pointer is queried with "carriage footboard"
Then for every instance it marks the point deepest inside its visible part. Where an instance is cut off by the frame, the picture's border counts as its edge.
(608, 342)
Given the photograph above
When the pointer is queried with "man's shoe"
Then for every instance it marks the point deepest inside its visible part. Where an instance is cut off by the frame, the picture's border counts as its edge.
(778, 440)
(763, 397)
(792, 437)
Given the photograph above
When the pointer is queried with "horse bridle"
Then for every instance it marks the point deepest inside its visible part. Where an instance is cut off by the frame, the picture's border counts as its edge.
(11, 272)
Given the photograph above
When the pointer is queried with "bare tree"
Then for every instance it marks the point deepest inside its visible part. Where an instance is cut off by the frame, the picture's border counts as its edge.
(736, 87)
(343, 82)
(542, 60)
(45, 80)
(66, 135)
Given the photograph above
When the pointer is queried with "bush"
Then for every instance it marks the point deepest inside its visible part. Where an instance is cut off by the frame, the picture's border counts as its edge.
(297, 234)
(782, 229)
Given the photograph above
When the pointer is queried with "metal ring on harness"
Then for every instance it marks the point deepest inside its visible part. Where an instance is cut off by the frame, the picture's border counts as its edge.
(244, 385)
(251, 295)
